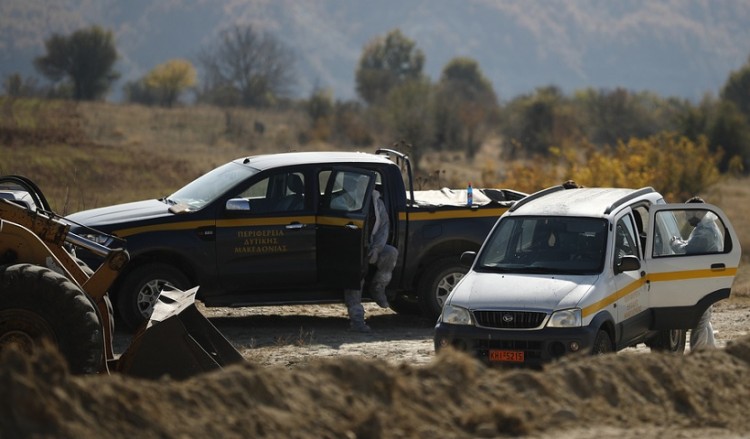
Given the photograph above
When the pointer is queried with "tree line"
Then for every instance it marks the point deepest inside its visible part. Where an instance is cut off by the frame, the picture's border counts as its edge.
(397, 101)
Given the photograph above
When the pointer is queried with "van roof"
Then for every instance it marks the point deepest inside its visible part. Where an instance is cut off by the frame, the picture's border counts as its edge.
(589, 202)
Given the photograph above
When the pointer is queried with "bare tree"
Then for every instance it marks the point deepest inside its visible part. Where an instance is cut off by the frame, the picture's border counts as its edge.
(246, 68)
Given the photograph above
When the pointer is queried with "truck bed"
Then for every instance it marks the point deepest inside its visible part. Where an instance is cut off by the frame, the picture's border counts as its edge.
(457, 197)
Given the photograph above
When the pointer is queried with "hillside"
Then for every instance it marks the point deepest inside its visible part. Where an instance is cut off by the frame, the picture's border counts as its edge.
(671, 47)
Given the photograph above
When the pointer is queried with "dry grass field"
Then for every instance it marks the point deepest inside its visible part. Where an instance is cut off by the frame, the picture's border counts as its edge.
(85, 155)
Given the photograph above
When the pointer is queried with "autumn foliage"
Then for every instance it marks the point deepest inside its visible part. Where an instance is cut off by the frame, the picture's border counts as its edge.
(673, 165)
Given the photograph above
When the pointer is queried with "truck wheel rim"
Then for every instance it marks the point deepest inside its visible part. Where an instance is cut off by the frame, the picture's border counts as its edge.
(147, 296)
(445, 286)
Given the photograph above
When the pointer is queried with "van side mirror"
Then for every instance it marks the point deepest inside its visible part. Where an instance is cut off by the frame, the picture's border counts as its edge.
(467, 258)
(628, 263)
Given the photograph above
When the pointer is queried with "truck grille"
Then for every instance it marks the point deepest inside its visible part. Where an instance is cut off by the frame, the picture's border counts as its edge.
(509, 319)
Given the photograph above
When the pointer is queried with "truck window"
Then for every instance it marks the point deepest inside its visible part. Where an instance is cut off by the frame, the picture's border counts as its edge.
(281, 192)
(348, 192)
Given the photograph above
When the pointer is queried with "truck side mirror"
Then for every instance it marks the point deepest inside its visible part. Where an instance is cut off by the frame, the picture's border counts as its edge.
(236, 204)
(628, 263)
(467, 258)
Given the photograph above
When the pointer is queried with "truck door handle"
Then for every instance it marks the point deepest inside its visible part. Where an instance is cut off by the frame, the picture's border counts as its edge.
(352, 226)
(718, 267)
(294, 225)
(206, 233)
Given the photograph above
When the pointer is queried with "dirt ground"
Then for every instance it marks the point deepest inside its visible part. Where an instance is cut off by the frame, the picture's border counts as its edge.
(306, 376)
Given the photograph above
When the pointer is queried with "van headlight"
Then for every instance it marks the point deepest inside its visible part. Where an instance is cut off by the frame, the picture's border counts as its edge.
(566, 318)
(455, 315)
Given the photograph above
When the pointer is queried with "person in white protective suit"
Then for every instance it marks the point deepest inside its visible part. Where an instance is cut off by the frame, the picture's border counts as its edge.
(380, 254)
(705, 238)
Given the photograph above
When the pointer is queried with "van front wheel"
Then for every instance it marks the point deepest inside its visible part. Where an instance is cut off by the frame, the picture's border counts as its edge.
(602, 343)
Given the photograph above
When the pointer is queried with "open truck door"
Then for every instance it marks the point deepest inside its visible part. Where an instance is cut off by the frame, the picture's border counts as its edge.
(342, 224)
(692, 255)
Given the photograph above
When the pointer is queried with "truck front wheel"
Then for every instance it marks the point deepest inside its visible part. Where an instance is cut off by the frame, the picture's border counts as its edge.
(140, 289)
(436, 284)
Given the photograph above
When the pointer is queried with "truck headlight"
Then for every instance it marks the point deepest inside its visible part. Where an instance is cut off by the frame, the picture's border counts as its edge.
(97, 238)
(566, 318)
(455, 315)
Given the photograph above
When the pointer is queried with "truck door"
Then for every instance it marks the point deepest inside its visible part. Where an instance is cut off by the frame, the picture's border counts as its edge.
(342, 225)
(265, 239)
(692, 255)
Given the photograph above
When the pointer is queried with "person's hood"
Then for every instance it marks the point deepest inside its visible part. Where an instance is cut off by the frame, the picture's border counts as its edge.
(489, 291)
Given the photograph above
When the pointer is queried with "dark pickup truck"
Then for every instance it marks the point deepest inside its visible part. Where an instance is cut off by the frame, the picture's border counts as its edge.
(263, 230)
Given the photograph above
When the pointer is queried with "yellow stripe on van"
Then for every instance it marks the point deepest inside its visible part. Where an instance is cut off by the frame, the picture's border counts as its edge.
(596, 306)
(692, 274)
(657, 277)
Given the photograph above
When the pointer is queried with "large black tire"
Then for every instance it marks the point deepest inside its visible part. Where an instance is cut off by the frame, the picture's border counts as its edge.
(671, 341)
(602, 343)
(37, 303)
(140, 289)
(436, 284)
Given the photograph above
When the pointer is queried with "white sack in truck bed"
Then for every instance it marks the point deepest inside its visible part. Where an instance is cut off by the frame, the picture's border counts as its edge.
(457, 197)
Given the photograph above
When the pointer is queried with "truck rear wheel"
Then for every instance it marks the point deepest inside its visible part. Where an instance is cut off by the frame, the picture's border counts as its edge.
(37, 303)
(140, 289)
(437, 283)
(672, 341)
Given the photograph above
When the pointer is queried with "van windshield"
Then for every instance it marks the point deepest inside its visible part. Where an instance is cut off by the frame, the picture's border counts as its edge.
(545, 245)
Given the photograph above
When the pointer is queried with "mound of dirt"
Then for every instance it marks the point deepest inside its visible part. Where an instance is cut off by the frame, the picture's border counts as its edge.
(453, 396)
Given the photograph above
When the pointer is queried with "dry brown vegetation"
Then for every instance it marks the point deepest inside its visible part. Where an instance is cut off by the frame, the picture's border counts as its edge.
(87, 154)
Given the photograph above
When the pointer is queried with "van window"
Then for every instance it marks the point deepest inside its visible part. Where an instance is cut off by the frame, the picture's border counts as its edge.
(625, 242)
(688, 232)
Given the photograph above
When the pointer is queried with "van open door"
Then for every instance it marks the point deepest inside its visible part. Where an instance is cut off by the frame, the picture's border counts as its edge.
(692, 255)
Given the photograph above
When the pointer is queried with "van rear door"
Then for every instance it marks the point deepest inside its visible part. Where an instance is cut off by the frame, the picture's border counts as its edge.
(692, 255)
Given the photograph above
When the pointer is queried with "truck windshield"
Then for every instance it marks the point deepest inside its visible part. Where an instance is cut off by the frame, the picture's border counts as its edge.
(546, 245)
(210, 186)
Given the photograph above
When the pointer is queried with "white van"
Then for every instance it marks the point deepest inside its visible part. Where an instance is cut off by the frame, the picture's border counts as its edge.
(589, 270)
